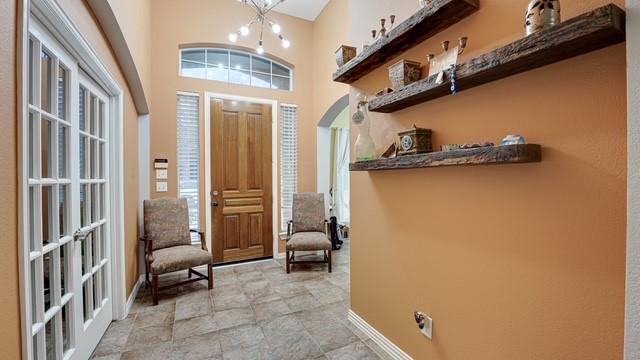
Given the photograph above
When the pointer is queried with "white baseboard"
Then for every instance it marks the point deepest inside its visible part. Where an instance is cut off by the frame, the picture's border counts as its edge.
(394, 351)
(134, 295)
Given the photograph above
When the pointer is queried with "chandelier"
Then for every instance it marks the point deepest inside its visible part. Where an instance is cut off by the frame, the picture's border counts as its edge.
(262, 9)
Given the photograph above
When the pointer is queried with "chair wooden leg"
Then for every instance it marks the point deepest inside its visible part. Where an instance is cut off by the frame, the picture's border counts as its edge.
(189, 273)
(210, 275)
(146, 276)
(154, 288)
(287, 261)
(329, 260)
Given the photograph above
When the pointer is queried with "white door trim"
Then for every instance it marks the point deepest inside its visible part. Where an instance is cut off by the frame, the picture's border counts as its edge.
(632, 319)
(55, 20)
(274, 162)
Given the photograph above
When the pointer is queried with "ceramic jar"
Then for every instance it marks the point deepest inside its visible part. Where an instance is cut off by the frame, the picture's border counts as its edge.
(542, 14)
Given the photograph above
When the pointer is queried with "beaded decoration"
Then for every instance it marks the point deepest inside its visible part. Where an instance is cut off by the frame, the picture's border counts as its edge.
(454, 77)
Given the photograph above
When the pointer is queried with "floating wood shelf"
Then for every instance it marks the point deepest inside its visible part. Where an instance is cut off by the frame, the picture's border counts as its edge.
(597, 29)
(422, 25)
(508, 154)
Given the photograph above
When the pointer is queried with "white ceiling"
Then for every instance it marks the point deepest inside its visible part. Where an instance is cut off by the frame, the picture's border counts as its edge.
(305, 9)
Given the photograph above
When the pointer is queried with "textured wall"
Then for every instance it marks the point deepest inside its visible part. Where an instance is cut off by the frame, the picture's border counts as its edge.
(513, 262)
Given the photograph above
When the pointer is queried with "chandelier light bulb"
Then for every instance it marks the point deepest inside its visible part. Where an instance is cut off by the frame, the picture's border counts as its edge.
(262, 20)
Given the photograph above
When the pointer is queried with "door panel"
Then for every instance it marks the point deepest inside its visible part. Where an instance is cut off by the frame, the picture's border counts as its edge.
(68, 282)
(241, 181)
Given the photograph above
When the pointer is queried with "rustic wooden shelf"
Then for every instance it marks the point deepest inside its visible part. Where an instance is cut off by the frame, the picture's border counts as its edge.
(588, 32)
(425, 23)
(495, 155)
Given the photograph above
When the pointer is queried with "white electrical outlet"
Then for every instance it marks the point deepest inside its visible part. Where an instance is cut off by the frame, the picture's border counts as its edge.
(161, 186)
(427, 330)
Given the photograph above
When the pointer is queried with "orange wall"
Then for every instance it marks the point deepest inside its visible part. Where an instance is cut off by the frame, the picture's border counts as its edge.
(9, 296)
(330, 30)
(201, 21)
(134, 18)
(512, 262)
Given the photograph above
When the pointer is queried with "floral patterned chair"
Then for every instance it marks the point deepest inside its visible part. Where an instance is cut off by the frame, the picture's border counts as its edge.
(168, 247)
(308, 230)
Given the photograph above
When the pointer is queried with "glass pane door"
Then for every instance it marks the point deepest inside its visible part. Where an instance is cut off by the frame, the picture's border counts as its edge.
(92, 202)
(68, 282)
(50, 185)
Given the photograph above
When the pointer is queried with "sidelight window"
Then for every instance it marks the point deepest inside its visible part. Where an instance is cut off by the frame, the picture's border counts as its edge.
(189, 156)
(288, 161)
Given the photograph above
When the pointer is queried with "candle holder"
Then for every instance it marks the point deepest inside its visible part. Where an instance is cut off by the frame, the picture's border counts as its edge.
(377, 34)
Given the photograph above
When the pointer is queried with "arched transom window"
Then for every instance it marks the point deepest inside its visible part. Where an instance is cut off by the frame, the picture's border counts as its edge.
(235, 67)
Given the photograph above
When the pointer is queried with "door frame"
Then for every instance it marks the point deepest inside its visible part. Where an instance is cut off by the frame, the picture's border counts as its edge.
(60, 26)
(208, 96)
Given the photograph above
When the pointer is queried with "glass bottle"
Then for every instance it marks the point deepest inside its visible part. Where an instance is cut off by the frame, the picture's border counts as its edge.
(365, 148)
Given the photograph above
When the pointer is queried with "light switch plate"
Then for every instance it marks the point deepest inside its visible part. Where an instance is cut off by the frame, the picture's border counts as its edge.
(162, 174)
(427, 330)
(161, 186)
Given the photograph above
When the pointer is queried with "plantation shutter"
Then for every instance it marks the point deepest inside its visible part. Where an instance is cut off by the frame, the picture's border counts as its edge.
(288, 161)
(189, 157)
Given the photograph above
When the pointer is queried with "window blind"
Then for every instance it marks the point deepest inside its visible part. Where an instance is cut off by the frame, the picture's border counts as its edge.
(189, 157)
(288, 161)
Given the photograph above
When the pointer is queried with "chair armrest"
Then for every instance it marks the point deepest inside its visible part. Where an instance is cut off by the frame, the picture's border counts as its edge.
(148, 251)
(203, 242)
(289, 228)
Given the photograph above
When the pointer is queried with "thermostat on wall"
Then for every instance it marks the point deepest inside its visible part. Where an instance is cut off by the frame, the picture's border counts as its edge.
(161, 163)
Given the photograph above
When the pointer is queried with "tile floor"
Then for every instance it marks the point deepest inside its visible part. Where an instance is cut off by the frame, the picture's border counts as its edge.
(255, 311)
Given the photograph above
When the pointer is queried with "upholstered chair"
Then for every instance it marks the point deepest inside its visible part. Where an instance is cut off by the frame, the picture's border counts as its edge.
(308, 229)
(168, 247)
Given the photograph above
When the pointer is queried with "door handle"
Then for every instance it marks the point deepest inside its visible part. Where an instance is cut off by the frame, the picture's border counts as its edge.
(82, 234)
(214, 203)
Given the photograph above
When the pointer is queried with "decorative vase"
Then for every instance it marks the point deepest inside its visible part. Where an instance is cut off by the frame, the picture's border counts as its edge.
(365, 148)
(542, 14)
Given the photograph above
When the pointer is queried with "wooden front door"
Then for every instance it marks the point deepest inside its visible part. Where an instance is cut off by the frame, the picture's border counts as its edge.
(241, 196)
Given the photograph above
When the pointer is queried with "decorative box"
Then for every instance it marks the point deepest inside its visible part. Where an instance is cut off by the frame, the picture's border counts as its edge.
(403, 73)
(344, 54)
(415, 141)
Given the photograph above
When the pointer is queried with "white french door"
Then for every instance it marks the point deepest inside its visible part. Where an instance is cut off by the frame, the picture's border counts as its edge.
(67, 225)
